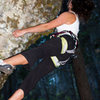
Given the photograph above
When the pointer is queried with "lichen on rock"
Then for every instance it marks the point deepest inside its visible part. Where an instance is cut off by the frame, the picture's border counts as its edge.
(19, 14)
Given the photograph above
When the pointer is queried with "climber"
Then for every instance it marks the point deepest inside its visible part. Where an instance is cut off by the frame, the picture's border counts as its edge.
(54, 52)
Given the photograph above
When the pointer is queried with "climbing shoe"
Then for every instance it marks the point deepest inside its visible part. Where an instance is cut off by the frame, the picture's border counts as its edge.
(6, 68)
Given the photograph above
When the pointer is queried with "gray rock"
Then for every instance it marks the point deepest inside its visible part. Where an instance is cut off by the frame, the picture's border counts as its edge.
(19, 14)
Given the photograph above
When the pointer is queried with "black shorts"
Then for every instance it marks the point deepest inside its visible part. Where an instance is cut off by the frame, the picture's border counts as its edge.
(50, 48)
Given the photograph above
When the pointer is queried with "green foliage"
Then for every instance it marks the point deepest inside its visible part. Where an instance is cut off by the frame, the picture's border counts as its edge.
(67, 98)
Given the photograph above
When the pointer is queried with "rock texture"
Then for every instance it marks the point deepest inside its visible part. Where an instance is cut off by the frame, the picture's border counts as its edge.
(19, 14)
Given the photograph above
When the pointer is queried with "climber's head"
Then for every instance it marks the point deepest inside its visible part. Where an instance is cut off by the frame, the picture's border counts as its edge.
(82, 7)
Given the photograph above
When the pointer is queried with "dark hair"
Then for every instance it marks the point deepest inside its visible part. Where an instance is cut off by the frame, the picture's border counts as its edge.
(83, 8)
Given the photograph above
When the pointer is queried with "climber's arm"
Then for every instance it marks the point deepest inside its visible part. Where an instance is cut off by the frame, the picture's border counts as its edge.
(63, 18)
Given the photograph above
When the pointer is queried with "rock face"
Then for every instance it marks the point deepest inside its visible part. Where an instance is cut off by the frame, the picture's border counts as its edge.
(19, 14)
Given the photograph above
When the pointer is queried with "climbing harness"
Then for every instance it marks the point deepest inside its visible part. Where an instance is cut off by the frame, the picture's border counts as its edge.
(64, 50)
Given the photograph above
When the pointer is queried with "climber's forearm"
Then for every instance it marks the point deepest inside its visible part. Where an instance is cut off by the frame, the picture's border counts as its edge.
(34, 29)
(38, 28)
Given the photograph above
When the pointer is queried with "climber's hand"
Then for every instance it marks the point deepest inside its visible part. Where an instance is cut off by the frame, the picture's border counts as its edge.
(18, 33)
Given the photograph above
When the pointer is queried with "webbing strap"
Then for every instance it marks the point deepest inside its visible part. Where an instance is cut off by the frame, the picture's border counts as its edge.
(55, 61)
(58, 63)
(64, 45)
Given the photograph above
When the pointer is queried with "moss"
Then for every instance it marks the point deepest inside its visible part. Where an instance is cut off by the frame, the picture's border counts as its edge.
(2, 22)
(3, 78)
(24, 3)
(14, 1)
(38, 3)
(34, 38)
(14, 22)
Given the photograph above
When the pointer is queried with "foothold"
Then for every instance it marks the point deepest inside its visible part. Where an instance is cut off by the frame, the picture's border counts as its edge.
(3, 78)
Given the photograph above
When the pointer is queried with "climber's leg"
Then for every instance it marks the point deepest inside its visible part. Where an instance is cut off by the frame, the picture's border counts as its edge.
(43, 68)
(31, 56)
(16, 60)
(7, 66)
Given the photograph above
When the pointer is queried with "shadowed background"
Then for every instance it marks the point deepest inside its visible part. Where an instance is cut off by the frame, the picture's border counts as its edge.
(61, 83)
